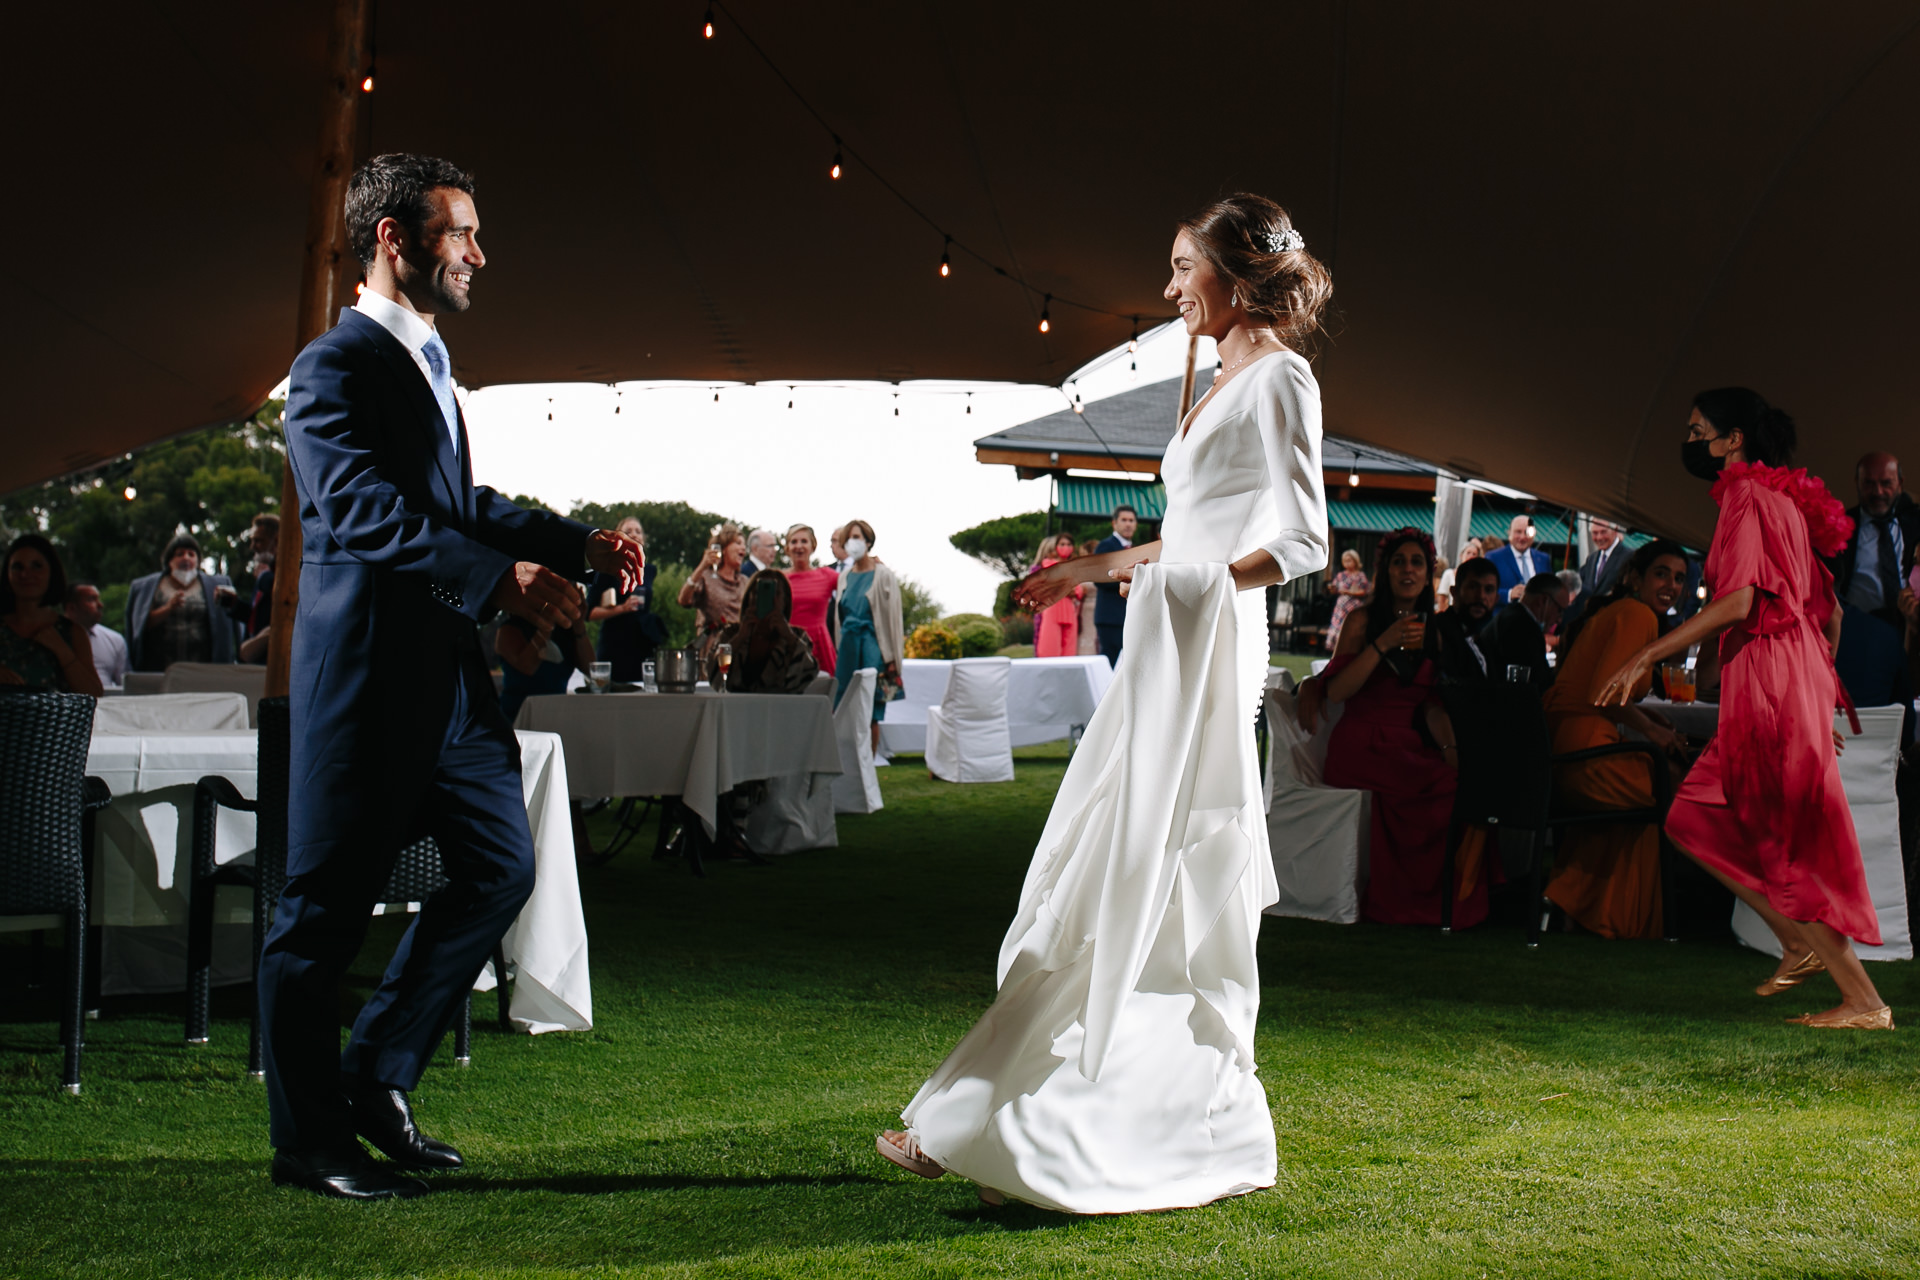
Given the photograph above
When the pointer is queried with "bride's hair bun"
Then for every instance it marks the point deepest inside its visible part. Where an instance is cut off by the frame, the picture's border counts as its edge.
(1252, 242)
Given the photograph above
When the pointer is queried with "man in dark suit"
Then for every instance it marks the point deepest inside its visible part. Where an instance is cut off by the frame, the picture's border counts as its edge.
(396, 732)
(1871, 569)
(1464, 656)
(1518, 561)
(1599, 572)
(1109, 606)
(1517, 636)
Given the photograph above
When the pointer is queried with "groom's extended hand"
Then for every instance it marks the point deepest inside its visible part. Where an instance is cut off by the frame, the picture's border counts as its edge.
(610, 552)
(539, 595)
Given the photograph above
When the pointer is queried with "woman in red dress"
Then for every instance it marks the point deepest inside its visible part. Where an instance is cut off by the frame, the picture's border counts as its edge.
(1763, 808)
(1385, 671)
(812, 592)
(1056, 628)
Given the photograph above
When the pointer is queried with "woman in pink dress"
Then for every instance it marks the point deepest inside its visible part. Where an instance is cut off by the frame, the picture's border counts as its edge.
(812, 593)
(1384, 669)
(1056, 628)
(1350, 589)
(1763, 808)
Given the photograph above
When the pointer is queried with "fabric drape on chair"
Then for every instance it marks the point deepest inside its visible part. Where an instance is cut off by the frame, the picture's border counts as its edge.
(857, 789)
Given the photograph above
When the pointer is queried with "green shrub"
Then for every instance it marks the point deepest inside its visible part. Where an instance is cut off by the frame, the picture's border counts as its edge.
(931, 640)
(666, 592)
(980, 636)
(1017, 628)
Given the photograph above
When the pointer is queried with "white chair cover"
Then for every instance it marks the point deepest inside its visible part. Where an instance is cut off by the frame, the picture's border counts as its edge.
(967, 735)
(797, 810)
(857, 789)
(1318, 833)
(1867, 770)
(170, 713)
(246, 679)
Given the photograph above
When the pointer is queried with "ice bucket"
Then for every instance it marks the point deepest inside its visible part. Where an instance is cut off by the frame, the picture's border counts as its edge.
(676, 670)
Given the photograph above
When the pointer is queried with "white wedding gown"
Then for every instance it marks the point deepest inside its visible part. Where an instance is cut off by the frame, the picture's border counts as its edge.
(1114, 1072)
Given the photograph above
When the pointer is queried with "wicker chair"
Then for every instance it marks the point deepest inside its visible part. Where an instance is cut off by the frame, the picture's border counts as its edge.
(43, 813)
(417, 875)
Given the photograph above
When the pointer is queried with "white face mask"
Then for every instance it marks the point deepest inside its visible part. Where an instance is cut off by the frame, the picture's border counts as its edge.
(856, 548)
(184, 577)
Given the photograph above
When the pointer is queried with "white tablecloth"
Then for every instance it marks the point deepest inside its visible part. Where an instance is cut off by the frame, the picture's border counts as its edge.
(145, 852)
(1046, 697)
(1867, 769)
(693, 745)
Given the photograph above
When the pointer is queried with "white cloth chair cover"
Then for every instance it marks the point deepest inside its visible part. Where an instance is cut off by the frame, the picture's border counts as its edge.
(220, 677)
(1319, 834)
(857, 789)
(796, 812)
(171, 713)
(967, 735)
(1867, 769)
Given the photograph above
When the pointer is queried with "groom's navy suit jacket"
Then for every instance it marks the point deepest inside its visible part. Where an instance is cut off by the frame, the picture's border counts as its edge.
(401, 554)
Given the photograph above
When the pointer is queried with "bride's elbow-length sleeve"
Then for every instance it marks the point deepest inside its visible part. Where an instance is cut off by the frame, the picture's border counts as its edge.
(1289, 420)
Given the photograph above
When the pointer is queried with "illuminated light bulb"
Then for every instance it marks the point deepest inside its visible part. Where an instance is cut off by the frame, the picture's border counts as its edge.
(1700, 591)
(366, 86)
(1077, 406)
(359, 288)
(1046, 321)
(835, 172)
(946, 259)
(131, 493)
(709, 25)
(1353, 478)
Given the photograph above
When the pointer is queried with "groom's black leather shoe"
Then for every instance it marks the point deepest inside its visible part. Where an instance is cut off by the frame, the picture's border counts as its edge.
(347, 1174)
(384, 1117)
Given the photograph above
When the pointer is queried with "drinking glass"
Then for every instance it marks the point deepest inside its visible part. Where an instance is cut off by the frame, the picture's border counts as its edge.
(647, 681)
(1415, 636)
(724, 654)
(1679, 682)
(602, 673)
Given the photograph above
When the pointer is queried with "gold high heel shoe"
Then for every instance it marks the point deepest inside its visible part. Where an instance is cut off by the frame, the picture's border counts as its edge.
(1803, 968)
(1880, 1019)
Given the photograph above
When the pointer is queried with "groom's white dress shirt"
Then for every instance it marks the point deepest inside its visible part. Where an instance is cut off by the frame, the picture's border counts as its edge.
(410, 329)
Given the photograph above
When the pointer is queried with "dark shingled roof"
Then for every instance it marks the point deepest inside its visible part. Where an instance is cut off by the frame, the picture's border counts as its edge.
(1139, 424)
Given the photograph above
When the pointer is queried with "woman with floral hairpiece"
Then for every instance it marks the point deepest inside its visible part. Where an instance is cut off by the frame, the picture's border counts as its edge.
(1114, 1072)
(1385, 672)
(1763, 809)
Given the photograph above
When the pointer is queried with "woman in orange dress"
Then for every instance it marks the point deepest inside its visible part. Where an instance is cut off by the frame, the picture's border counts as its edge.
(1608, 877)
(1056, 628)
(1763, 809)
(812, 594)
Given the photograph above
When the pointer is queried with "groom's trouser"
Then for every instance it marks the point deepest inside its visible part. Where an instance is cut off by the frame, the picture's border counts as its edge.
(476, 814)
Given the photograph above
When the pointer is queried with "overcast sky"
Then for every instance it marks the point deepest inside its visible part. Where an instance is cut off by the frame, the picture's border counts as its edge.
(839, 453)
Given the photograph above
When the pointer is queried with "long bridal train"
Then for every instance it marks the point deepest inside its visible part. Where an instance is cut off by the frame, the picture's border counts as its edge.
(1114, 1073)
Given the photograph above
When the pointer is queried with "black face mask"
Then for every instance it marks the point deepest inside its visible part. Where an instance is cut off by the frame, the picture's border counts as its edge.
(1699, 461)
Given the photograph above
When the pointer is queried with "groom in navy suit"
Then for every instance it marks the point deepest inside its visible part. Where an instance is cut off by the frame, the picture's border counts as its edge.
(396, 730)
(1517, 562)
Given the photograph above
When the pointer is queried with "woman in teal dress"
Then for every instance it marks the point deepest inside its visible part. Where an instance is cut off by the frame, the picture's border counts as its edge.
(41, 649)
(869, 631)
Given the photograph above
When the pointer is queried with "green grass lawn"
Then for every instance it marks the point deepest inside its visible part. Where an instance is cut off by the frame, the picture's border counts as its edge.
(1445, 1106)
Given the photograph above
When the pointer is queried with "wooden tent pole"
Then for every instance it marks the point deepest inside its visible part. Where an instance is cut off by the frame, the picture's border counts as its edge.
(323, 283)
(1186, 383)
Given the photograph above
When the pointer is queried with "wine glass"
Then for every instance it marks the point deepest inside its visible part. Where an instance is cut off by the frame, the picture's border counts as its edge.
(724, 655)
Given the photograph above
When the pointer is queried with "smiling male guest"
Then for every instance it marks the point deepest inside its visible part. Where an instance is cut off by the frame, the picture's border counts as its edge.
(396, 732)
(1518, 561)
(1109, 606)
(1870, 570)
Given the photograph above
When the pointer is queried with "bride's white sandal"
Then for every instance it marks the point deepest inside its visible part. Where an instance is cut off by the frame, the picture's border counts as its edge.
(904, 1150)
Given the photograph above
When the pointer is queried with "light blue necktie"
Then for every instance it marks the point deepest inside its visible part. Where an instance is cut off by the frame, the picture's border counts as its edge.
(440, 378)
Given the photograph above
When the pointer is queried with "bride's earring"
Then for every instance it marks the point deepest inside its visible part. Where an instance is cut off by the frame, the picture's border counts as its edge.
(1234, 301)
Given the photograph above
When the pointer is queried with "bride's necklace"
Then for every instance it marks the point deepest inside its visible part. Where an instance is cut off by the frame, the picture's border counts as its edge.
(1258, 338)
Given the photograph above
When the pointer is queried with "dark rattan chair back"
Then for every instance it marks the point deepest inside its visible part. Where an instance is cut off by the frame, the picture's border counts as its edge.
(43, 757)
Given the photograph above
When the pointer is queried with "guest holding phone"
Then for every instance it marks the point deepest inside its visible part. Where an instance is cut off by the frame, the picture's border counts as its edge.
(629, 628)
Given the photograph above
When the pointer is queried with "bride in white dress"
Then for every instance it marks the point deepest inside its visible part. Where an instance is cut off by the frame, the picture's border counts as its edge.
(1114, 1072)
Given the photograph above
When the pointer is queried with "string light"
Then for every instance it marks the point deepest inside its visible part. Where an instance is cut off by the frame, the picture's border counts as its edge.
(1077, 406)
(131, 493)
(709, 28)
(789, 397)
(896, 404)
(1046, 320)
(549, 408)
(716, 397)
(366, 86)
(616, 403)
(969, 404)
(1353, 478)
(946, 259)
(834, 172)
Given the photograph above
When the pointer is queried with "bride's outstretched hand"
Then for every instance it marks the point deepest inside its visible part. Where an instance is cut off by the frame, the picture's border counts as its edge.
(1124, 576)
(1043, 587)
